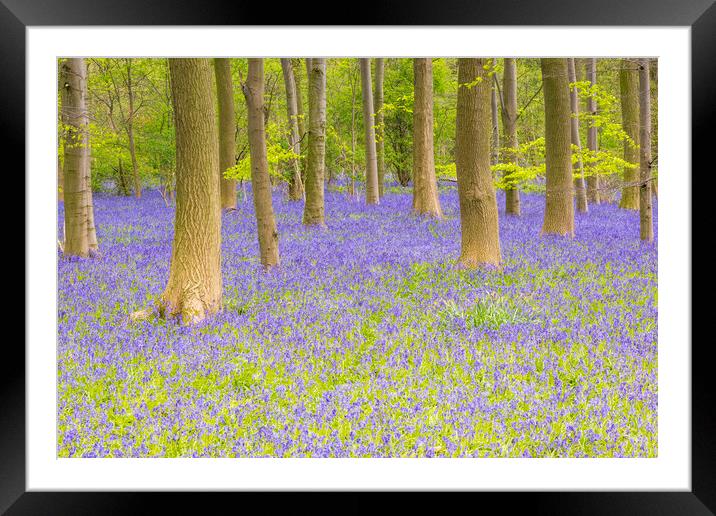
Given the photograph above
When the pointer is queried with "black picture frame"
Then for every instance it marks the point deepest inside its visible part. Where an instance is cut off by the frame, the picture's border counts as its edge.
(700, 15)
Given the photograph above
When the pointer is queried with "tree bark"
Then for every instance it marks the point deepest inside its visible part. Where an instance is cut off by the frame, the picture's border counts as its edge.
(579, 186)
(379, 123)
(75, 120)
(194, 288)
(476, 192)
(629, 88)
(227, 130)
(646, 227)
(593, 182)
(425, 191)
(314, 210)
(495, 143)
(509, 124)
(60, 181)
(559, 204)
(130, 132)
(371, 162)
(260, 182)
(295, 186)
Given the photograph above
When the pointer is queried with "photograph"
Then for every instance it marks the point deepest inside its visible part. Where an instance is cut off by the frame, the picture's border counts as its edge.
(357, 257)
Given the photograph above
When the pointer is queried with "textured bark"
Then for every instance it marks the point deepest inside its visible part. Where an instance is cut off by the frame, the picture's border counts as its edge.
(559, 204)
(425, 190)
(379, 123)
(593, 182)
(227, 130)
(130, 132)
(578, 169)
(194, 288)
(646, 226)
(509, 125)
(371, 162)
(295, 186)
(314, 210)
(495, 143)
(476, 192)
(75, 120)
(260, 182)
(629, 88)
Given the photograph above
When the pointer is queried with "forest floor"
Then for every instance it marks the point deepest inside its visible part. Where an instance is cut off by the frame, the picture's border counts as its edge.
(367, 341)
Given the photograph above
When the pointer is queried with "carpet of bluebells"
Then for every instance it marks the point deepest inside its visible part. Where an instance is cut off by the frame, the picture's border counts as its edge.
(368, 341)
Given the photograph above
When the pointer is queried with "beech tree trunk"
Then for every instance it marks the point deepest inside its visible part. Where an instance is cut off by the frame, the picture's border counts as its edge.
(371, 162)
(559, 204)
(379, 121)
(646, 227)
(495, 156)
(75, 119)
(314, 209)
(476, 192)
(194, 288)
(130, 133)
(295, 186)
(629, 88)
(260, 182)
(425, 190)
(227, 130)
(509, 125)
(579, 186)
(593, 182)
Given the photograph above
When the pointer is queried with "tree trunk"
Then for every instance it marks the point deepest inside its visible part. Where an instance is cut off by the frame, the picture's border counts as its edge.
(559, 204)
(593, 182)
(295, 186)
(425, 191)
(314, 211)
(92, 244)
(579, 186)
(476, 192)
(75, 120)
(352, 186)
(130, 132)
(227, 130)
(646, 227)
(60, 181)
(509, 124)
(379, 121)
(260, 182)
(300, 117)
(495, 143)
(371, 162)
(629, 88)
(194, 288)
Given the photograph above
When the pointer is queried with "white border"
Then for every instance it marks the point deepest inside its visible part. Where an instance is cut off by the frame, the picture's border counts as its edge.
(670, 471)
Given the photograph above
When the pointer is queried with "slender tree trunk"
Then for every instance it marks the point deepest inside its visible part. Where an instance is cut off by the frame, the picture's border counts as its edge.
(130, 132)
(495, 143)
(352, 187)
(593, 182)
(478, 204)
(579, 186)
(227, 130)
(509, 124)
(314, 210)
(300, 114)
(74, 117)
(194, 288)
(260, 183)
(379, 121)
(425, 191)
(60, 181)
(371, 162)
(629, 87)
(92, 243)
(295, 187)
(646, 227)
(122, 180)
(559, 204)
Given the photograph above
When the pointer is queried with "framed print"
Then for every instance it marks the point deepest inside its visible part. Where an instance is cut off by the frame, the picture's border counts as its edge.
(332, 325)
